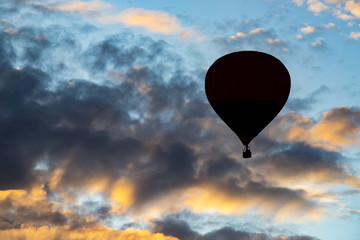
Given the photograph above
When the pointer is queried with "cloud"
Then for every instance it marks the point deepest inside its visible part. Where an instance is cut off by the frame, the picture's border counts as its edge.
(234, 190)
(257, 31)
(339, 14)
(316, 6)
(94, 232)
(299, 3)
(318, 42)
(312, 165)
(337, 129)
(353, 7)
(273, 41)
(337, 7)
(275, 202)
(135, 138)
(354, 211)
(97, 128)
(20, 208)
(151, 20)
(239, 35)
(335, 1)
(252, 36)
(329, 25)
(155, 21)
(82, 7)
(355, 35)
(173, 226)
(10, 31)
(308, 30)
(306, 103)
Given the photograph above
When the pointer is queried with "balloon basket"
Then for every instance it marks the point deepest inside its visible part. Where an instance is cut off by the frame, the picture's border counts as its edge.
(246, 152)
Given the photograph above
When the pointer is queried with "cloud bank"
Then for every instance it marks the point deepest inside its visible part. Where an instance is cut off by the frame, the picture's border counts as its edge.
(116, 126)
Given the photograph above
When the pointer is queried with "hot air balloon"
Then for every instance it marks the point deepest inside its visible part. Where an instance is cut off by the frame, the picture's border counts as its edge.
(247, 89)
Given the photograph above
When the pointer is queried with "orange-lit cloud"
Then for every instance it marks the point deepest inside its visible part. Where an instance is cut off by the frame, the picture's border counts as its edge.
(273, 41)
(296, 172)
(333, 132)
(257, 31)
(79, 6)
(316, 6)
(308, 29)
(205, 199)
(339, 14)
(155, 21)
(239, 35)
(342, 9)
(353, 7)
(276, 203)
(355, 35)
(84, 233)
(151, 20)
(122, 194)
(313, 153)
(30, 208)
(10, 31)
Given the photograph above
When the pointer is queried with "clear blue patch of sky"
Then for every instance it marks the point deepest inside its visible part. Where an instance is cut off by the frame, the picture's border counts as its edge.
(333, 229)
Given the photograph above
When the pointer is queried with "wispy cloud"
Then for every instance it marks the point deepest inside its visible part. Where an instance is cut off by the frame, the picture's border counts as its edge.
(317, 43)
(299, 3)
(273, 41)
(151, 20)
(80, 6)
(329, 25)
(154, 21)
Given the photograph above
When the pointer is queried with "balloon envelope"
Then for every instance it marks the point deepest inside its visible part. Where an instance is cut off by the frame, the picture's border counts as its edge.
(247, 90)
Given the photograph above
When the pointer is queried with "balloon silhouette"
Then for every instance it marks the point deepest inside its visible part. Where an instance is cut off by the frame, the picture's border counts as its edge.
(247, 89)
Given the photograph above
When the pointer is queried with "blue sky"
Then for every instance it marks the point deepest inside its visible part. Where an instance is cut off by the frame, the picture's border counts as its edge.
(107, 132)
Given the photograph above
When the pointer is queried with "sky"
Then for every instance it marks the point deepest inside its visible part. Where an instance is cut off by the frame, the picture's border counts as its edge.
(106, 132)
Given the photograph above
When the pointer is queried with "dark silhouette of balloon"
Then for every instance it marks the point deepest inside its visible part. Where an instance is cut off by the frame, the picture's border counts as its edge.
(247, 90)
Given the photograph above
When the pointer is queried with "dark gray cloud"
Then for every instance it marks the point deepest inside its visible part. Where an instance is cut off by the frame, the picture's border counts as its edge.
(176, 227)
(36, 121)
(307, 103)
(140, 117)
(229, 233)
(20, 123)
(167, 170)
(39, 214)
(89, 123)
(352, 114)
(126, 105)
(27, 211)
(299, 159)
